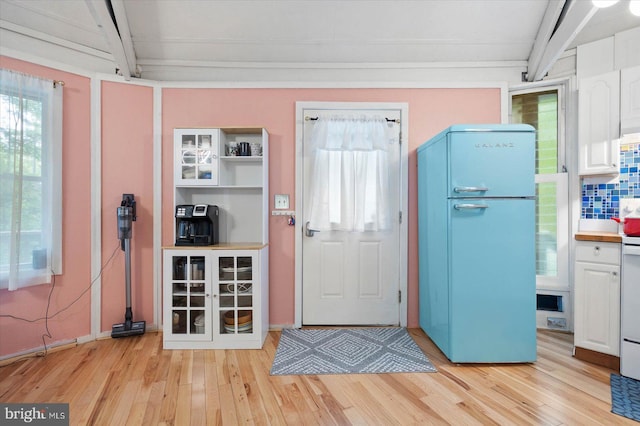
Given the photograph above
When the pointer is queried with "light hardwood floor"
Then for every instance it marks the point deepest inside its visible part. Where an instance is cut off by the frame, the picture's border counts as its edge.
(134, 381)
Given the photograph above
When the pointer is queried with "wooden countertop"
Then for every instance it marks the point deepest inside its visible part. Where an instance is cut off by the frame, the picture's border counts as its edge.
(221, 246)
(605, 237)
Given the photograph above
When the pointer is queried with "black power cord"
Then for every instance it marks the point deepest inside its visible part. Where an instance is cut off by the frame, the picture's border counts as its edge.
(46, 317)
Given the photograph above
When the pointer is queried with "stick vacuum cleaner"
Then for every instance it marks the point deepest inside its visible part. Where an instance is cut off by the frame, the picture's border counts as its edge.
(126, 216)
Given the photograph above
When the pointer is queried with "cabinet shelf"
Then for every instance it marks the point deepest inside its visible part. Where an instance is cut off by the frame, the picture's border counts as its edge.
(250, 293)
(219, 187)
(248, 158)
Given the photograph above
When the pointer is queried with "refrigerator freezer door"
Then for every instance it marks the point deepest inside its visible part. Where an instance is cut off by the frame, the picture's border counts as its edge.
(492, 280)
(492, 164)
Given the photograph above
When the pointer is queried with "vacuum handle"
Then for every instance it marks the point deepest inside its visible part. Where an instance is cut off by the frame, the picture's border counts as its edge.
(127, 270)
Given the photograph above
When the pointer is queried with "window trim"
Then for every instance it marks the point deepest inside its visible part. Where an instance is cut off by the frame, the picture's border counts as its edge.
(562, 90)
(561, 281)
(51, 172)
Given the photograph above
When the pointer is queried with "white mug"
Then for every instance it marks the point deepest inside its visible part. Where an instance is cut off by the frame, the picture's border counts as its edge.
(256, 149)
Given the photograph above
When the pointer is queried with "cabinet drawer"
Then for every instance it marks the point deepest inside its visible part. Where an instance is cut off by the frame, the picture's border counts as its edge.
(598, 252)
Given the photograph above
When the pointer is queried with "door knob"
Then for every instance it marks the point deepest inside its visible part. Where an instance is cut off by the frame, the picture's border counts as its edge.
(308, 231)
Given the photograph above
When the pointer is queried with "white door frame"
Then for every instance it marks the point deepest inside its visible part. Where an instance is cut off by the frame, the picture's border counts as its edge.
(404, 193)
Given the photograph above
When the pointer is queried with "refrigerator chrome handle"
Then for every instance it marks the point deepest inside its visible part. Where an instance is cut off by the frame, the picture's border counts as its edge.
(470, 189)
(470, 206)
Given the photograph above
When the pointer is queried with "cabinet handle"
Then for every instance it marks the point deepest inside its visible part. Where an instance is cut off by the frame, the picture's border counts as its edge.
(614, 273)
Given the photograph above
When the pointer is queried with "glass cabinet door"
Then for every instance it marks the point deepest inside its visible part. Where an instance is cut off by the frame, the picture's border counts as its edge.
(196, 157)
(236, 288)
(189, 297)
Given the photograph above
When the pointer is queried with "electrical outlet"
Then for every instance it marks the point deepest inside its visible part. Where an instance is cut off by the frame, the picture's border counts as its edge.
(553, 322)
(281, 201)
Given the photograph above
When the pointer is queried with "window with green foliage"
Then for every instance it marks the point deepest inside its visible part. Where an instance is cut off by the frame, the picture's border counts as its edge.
(30, 194)
(541, 110)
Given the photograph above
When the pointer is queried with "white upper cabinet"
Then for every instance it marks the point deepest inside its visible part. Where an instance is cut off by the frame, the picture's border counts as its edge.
(197, 157)
(599, 124)
(595, 58)
(626, 52)
(630, 100)
(228, 168)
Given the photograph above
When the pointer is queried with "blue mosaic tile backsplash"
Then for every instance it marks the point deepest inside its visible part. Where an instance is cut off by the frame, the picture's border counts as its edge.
(602, 201)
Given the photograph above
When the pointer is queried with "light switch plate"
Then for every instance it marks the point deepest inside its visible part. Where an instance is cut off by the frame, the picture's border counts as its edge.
(281, 201)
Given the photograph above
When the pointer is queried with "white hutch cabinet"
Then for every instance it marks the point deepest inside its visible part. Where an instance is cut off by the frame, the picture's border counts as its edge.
(217, 297)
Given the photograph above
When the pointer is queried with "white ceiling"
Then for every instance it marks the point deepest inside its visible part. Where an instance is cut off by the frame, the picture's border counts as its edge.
(172, 39)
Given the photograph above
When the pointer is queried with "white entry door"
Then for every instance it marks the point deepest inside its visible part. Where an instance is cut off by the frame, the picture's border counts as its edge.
(351, 277)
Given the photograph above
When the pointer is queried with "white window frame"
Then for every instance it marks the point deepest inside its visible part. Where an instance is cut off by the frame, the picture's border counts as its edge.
(51, 163)
(561, 178)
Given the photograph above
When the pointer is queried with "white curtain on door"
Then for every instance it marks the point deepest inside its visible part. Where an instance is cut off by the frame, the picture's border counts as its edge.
(31, 122)
(349, 189)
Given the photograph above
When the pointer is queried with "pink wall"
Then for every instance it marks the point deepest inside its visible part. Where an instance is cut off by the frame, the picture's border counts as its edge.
(127, 167)
(31, 303)
(430, 110)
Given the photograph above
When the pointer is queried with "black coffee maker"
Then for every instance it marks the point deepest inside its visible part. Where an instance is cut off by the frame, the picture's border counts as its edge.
(197, 225)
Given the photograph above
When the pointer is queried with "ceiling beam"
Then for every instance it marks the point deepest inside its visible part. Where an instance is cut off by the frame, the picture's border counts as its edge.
(48, 38)
(545, 31)
(120, 16)
(574, 20)
(100, 12)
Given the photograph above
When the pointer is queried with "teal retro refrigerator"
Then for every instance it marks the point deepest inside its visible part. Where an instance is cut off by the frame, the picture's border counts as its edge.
(476, 242)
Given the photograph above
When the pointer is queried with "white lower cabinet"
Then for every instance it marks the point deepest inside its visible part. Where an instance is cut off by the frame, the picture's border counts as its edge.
(597, 297)
(215, 298)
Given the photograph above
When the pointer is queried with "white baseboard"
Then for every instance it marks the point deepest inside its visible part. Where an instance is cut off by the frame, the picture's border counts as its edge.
(63, 344)
(279, 327)
(85, 339)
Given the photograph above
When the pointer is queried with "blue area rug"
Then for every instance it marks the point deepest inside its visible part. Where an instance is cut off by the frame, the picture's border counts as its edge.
(625, 397)
(348, 351)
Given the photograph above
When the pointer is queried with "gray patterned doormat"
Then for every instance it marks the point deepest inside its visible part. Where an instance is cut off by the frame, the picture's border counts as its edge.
(625, 397)
(348, 351)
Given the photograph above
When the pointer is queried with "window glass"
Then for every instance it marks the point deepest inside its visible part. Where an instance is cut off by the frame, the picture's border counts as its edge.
(30, 180)
(546, 229)
(540, 109)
